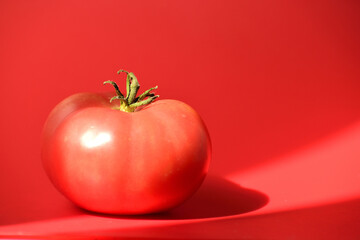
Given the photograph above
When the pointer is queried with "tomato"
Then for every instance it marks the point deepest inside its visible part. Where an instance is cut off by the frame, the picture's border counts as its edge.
(143, 156)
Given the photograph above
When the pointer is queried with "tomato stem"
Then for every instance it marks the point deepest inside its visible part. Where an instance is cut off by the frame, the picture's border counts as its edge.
(116, 88)
(131, 102)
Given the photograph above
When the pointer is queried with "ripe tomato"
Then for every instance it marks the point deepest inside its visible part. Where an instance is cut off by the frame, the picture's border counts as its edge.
(127, 159)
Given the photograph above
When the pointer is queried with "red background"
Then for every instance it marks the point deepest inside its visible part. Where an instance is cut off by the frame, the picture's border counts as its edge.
(277, 83)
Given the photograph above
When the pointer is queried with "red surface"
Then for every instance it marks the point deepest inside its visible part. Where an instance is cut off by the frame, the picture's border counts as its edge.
(276, 82)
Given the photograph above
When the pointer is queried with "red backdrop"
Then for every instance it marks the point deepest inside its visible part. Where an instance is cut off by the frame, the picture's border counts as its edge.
(276, 82)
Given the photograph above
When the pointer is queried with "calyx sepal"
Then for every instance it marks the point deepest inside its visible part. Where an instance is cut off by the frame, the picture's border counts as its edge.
(130, 102)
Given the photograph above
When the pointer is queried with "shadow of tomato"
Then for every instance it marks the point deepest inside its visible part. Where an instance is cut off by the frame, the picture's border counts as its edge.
(217, 197)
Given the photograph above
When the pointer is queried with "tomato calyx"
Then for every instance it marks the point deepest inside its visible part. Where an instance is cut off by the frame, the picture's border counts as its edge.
(131, 102)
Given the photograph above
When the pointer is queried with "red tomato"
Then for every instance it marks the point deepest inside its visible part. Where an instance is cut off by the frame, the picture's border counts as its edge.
(111, 161)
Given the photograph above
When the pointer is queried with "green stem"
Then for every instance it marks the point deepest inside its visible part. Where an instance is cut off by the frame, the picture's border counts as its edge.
(127, 82)
(131, 102)
(134, 88)
(147, 93)
(115, 86)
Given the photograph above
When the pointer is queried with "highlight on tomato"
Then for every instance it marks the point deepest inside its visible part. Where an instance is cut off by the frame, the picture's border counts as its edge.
(125, 154)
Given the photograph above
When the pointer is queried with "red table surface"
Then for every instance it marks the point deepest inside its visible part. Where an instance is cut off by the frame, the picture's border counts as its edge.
(277, 83)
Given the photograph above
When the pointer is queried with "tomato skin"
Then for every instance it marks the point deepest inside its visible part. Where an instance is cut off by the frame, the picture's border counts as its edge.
(109, 161)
